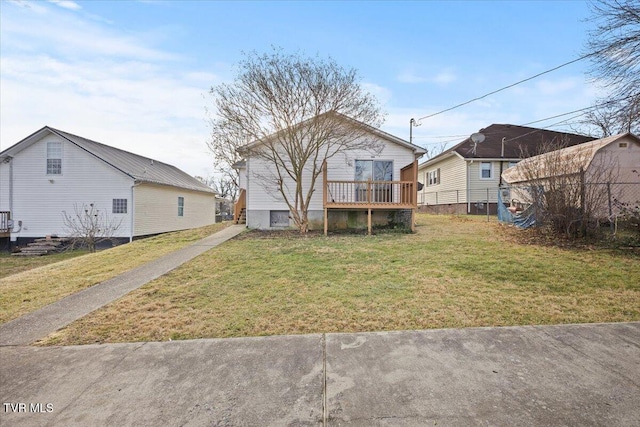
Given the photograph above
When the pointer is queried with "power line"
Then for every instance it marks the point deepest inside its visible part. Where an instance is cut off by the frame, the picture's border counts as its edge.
(507, 87)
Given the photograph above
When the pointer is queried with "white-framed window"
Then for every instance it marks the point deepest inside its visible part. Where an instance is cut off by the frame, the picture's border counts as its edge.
(54, 158)
(433, 177)
(119, 206)
(180, 206)
(485, 170)
(512, 164)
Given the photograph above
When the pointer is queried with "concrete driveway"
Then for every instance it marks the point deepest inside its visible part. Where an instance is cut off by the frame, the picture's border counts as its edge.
(572, 375)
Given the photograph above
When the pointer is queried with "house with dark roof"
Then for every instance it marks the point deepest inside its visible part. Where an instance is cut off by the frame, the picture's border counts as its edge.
(466, 178)
(51, 171)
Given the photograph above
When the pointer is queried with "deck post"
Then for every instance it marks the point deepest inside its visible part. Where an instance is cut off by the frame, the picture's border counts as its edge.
(326, 220)
(413, 220)
(369, 221)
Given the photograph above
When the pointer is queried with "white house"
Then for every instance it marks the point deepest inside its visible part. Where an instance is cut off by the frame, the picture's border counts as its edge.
(467, 176)
(50, 171)
(358, 187)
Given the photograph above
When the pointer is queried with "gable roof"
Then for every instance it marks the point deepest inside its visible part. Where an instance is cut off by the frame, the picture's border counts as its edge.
(139, 168)
(577, 157)
(384, 135)
(518, 139)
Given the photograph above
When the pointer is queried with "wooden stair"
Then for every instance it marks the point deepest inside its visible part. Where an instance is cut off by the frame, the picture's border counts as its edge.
(44, 246)
(243, 216)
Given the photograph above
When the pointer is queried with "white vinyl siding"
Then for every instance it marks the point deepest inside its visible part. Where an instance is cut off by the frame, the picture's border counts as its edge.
(39, 199)
(156, 209)
(264, 195)
(451, 184)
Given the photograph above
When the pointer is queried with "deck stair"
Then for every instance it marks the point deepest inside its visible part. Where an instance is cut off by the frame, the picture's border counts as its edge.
(243, 216)
(44, 246)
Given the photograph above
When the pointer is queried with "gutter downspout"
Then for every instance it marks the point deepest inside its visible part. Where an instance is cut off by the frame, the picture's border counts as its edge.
(10, 183)
(133, 217)
(469, 186)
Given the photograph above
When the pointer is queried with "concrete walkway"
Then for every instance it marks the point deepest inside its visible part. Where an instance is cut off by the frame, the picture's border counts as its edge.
(38, 324)
(572, 375)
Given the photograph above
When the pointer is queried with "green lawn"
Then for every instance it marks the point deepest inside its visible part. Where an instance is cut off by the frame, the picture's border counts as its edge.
(453, 272)
(34, 288)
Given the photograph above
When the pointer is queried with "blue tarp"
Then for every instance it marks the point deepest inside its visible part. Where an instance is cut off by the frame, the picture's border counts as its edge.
(523, 219)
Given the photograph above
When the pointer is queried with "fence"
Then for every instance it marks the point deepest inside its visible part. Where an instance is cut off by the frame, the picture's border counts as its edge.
(474, 201)
(614, 204)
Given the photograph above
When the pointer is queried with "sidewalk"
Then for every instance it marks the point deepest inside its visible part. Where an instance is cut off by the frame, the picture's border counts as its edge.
(567, 375)
(38, 324)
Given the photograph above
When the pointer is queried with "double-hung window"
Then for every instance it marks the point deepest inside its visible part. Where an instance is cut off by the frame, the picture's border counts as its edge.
(54, 158)
(485, 170)
(433, 177)
(180, 206)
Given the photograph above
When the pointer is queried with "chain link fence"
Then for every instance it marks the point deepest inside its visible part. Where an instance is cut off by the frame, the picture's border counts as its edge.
(611, 208)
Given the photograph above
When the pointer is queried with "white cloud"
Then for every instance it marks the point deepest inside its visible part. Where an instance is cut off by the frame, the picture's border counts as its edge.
(66, 4)
(87, 79)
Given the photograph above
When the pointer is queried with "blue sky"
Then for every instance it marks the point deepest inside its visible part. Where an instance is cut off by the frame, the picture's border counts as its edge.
(136, 74)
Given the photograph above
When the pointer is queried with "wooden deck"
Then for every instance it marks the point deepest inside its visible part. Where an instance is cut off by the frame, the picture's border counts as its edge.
(372, 195)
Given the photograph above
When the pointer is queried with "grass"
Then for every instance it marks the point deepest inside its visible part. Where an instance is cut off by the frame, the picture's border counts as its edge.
(11, 265)
(454, 272)
(29, 290)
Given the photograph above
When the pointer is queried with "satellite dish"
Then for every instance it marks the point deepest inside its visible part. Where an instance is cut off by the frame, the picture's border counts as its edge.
(477, 137)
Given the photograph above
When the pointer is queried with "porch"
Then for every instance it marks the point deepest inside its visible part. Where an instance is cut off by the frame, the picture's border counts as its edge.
(371, 195)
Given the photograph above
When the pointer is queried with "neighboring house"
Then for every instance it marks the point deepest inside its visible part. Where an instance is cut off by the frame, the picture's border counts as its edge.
(358, 188)
(464, 178)
(50, 171)
(609, 167)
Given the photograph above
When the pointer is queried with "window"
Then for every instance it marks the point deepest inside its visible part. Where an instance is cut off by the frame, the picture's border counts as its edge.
(433, 177)
(119, 206)
(54, 158)
(279, 218)
(622, 145)
(180, 206)
(485, 170)
(512, 164)
(374, 170)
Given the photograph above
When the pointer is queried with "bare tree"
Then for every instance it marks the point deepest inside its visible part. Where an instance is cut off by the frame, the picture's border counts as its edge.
(436, 150)
(569, 189)
(89, 226)
(613, 117)
(292, 112)
(615, 45)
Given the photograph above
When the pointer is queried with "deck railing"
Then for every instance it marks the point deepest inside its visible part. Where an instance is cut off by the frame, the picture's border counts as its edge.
(375, 194)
